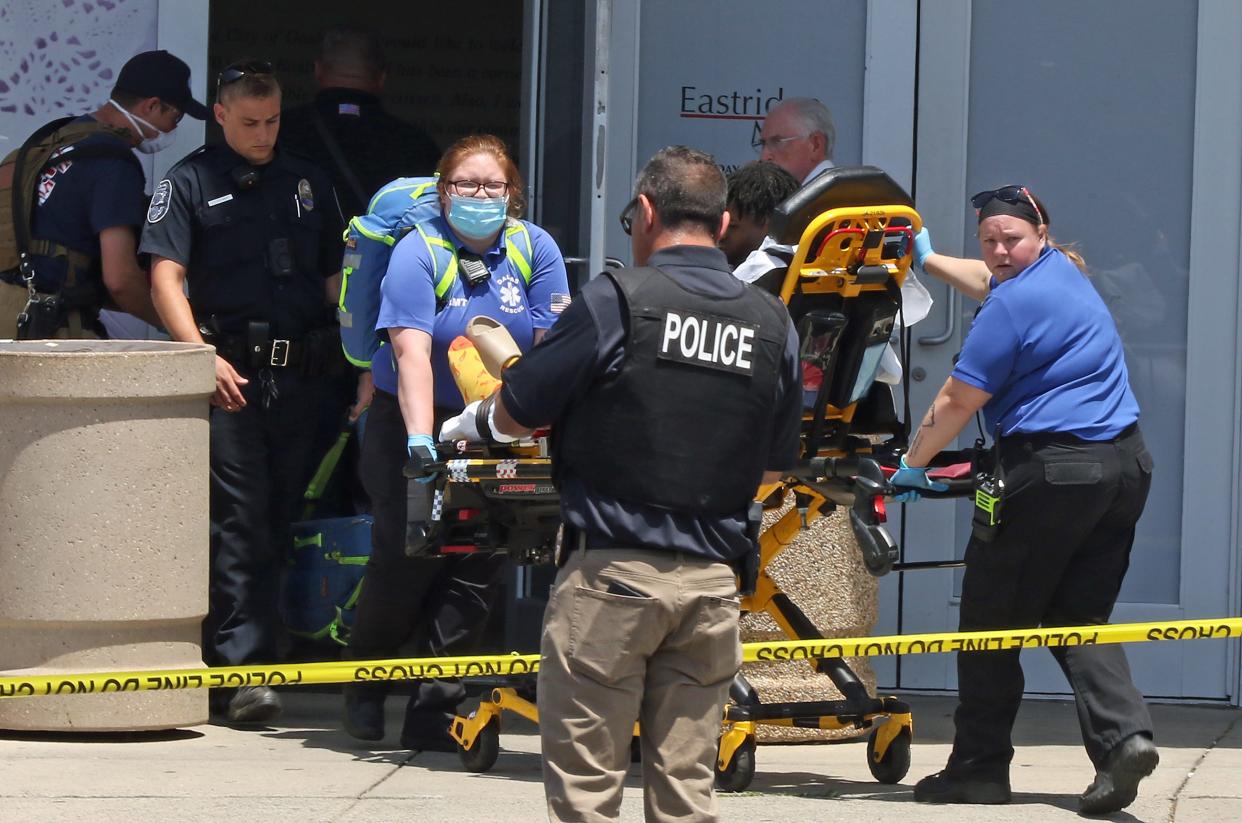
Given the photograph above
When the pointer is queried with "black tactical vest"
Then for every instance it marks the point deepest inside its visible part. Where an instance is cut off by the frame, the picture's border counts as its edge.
(257, 242)
(687, 422)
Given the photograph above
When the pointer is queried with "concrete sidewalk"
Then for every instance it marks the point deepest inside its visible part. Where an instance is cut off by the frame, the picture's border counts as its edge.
(306, 769)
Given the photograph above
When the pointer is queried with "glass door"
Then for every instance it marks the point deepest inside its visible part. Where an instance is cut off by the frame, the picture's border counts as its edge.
(1120, 144)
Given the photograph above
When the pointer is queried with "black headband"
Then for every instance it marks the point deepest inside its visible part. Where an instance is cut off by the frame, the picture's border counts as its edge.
(1022, 209)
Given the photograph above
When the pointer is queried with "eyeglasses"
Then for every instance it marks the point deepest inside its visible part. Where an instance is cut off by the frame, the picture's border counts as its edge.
(627, 216)
(773, 142)
(1008, 194)
(469, 188)
(237, 71)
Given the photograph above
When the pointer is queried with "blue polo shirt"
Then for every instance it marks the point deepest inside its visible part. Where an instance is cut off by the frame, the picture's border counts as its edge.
(1045, 347)
(409, 301)
(588, 344)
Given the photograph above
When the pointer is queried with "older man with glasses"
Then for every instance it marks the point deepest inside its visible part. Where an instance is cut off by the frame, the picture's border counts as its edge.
(798, 135)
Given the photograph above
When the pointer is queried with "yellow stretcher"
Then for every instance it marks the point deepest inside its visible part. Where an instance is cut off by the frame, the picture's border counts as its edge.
(854, 230)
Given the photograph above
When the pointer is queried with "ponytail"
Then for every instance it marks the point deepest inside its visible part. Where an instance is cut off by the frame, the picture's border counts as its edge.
(1070, 250)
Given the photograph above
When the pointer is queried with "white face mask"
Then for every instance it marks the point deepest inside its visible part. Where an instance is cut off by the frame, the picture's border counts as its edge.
(149, 145)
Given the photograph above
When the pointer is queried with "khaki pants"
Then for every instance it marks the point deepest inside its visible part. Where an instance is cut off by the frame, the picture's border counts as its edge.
(609, 659)
(13, 301)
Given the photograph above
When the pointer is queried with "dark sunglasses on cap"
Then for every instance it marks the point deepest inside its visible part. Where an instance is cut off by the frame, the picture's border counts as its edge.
(237, 71)
(1008, 194)
(627, 216)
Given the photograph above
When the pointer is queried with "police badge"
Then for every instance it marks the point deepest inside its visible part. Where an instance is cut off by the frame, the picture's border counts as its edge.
(306, 197)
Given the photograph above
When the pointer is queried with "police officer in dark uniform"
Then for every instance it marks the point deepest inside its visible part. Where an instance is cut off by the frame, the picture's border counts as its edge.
(256, 234)
(347, 131)
(673, 390)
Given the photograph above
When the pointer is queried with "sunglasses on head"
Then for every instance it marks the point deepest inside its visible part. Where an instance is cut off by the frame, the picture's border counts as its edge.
(237, 71)
(627, 216)
(1007, 194)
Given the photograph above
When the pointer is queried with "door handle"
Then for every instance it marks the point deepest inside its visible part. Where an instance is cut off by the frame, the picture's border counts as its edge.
(950, 323)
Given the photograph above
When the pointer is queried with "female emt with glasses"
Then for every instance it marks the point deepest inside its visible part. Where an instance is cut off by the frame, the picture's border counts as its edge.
(1044, 363)
(475, 259)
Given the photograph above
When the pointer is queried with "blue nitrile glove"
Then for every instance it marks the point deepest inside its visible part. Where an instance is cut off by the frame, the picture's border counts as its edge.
(922, 247)
(425, 447)
(913, 479)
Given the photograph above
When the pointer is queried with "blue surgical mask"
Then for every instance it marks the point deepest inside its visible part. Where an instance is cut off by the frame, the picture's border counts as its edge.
(476, 218)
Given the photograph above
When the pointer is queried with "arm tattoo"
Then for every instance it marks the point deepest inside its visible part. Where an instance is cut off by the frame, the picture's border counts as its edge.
(914, 444)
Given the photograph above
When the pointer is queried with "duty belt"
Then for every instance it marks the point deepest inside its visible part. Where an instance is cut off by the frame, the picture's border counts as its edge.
(1037, 440)
(268, 354)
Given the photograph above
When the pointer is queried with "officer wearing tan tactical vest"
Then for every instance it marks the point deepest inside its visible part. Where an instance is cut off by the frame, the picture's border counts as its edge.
(68, 241)
(673, 389)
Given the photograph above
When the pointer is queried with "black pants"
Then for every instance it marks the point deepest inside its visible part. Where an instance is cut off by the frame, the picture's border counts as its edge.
(441, 603)
(260, 463)
(1058, 560)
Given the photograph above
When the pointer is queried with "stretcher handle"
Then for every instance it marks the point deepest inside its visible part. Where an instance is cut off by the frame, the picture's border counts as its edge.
(418, 467)
(871, 478)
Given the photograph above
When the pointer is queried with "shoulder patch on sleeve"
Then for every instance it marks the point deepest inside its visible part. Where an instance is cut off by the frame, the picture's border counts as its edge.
(160, 201)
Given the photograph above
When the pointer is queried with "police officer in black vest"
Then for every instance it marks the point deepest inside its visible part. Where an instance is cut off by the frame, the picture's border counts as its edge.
(673, 390)
(256, 233)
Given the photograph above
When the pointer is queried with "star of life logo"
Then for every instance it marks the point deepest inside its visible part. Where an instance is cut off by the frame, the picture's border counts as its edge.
(510, 292)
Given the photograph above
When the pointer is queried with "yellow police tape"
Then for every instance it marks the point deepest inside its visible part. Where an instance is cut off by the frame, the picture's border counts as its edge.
(519, 664)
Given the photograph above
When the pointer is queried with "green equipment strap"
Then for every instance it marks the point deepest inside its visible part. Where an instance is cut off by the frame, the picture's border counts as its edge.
(303, 542)
(319, 481)
(445, 281)
(348, 559)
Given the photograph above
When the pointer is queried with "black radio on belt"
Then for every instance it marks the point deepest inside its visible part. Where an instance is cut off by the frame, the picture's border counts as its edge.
(473, 268)
(989, 494)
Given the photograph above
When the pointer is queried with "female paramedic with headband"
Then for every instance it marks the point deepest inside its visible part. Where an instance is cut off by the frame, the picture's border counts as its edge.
(475, 259)
(1054, 521)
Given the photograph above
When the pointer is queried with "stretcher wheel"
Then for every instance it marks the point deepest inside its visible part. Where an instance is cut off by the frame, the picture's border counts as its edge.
(896, 761)
(737, 775)
(482, 756)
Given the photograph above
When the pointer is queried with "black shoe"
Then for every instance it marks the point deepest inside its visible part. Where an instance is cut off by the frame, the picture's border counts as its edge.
(364, 713)
(946, 787)
(427, 732)
(254, 704)
(1116, 785)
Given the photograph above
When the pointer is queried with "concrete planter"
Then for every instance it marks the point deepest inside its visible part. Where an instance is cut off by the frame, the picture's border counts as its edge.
(822, 573)
(103, 524)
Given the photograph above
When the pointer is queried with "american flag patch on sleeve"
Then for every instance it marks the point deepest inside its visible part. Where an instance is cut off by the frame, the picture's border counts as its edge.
(559, 302)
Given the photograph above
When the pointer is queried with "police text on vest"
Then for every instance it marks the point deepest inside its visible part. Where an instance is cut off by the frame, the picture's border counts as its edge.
(711, 342)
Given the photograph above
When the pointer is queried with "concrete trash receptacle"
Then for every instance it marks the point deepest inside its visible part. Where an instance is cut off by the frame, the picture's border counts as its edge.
(822, 573)
(103, 525)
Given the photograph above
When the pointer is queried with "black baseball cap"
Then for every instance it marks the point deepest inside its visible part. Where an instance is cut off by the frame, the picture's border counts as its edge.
(163, 75)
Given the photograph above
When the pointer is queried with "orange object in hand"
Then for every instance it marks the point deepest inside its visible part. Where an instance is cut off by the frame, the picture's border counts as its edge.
(472, 378)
